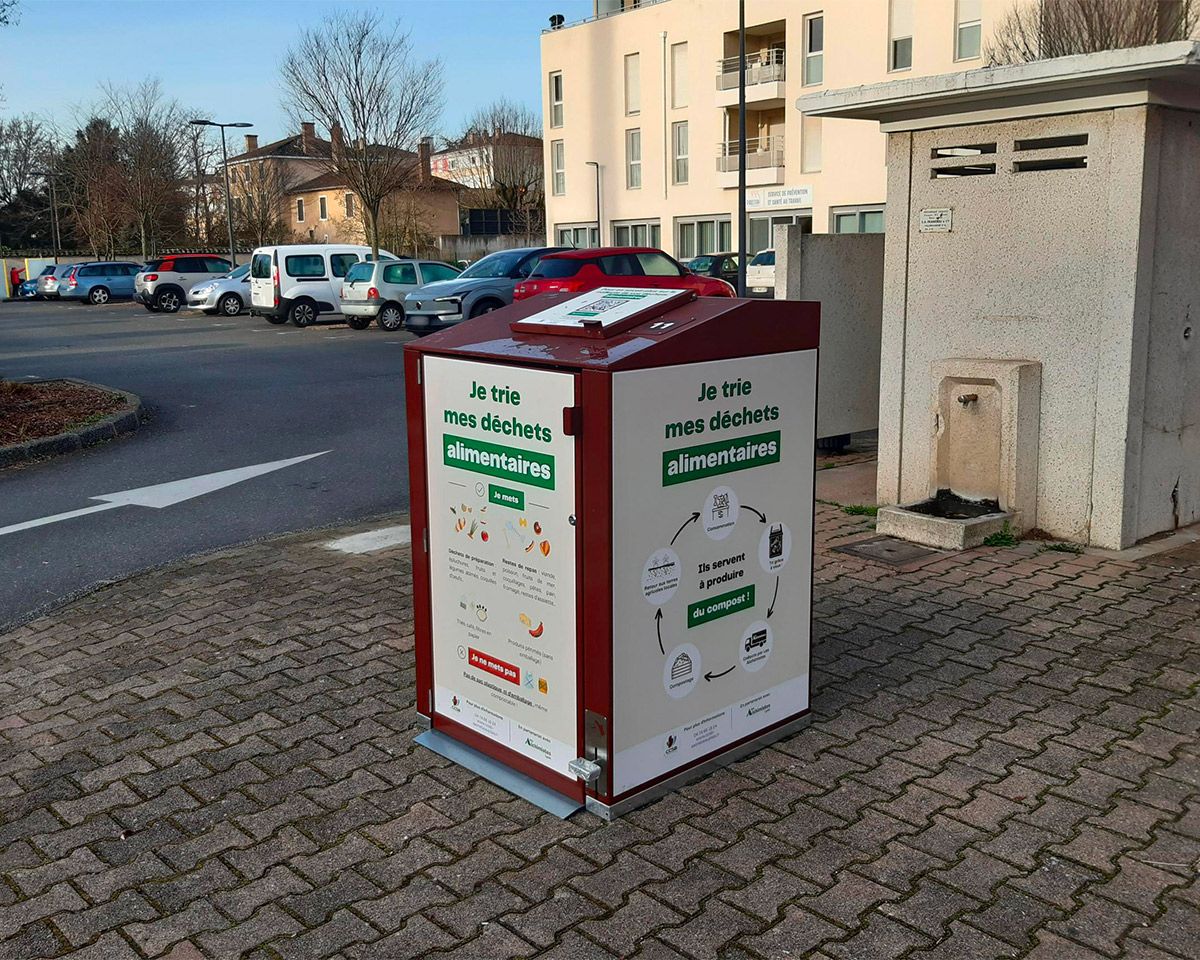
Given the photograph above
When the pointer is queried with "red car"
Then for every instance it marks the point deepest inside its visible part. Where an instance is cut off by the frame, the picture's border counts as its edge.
(577, 271)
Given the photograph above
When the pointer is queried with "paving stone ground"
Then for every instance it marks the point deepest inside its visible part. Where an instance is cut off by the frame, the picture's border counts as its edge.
(216, 760)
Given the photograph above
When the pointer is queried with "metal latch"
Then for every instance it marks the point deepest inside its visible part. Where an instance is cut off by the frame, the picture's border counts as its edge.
(585, 770)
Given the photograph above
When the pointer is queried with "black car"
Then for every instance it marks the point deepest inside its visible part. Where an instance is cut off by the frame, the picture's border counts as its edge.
(723, 266)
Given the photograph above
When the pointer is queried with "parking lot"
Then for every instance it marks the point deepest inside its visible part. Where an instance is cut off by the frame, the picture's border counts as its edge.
(223, 393)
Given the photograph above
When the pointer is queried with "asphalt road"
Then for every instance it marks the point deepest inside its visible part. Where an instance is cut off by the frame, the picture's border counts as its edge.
(223, 393)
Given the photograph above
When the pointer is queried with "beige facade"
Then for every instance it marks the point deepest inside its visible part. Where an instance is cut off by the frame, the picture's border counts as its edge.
(648, 91)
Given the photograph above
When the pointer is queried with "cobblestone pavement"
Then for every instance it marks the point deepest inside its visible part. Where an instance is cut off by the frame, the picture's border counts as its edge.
(216, 760)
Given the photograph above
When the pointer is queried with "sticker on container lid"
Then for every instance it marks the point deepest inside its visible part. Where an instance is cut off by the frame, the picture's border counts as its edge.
(604, 309)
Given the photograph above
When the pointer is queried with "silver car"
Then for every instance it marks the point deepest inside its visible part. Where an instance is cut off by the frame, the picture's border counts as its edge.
(376, 290)
(50, 278)
(164, 281)
(226, 295)
(484, 286)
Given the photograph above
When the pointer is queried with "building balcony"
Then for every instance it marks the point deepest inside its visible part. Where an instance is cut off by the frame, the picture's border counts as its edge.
(766, 71)
(764, 162)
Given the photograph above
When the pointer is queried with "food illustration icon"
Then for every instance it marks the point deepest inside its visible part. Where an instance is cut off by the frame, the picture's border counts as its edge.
(480, 612)
(543, 686)
(537, 631)
(464, 522)
(525, 621)
(545, 548)
(537, 528)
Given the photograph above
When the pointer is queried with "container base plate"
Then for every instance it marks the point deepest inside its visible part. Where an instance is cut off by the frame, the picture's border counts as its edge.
(507, 779)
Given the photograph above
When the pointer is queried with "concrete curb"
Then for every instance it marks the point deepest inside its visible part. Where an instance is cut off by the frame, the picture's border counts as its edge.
(111, 427)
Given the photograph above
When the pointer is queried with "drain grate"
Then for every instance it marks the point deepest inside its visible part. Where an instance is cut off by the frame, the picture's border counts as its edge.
(887, 550)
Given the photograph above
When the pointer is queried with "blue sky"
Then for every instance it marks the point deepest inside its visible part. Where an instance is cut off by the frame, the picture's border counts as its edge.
(225, 61)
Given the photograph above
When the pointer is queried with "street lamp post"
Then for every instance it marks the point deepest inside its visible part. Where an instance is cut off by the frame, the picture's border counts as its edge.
(599, 222)
(225, 167)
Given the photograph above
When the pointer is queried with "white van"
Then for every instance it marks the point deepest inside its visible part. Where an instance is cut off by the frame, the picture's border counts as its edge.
(760, 274)
(300, 281)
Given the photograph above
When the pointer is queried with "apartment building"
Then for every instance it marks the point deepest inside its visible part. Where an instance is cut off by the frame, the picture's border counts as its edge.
(640, 108)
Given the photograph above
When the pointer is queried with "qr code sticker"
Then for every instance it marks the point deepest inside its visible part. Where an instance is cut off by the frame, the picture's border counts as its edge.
(604, 304)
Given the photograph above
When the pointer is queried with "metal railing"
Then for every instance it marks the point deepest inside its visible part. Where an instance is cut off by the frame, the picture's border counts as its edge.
(762, 67)
(615, 12)
(760, 152)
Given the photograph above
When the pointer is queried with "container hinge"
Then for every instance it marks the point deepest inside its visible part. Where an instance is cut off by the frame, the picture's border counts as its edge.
(425, 540)
(572, 421)
(595, 751)
(420, 370)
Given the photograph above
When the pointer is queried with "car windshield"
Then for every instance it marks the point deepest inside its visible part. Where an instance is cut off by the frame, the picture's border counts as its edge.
(238, 272)
(360, 271)
(700, 263)
(764, 259)
(493, 265)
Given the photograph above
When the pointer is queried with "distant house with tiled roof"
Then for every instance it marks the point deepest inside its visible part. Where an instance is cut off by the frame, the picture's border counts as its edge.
(315, 204)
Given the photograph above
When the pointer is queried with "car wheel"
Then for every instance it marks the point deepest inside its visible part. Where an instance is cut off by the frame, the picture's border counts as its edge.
(391, 318)
(358, 323)
(302, 313)
(485, 306)
(229, 305)
(98, 295)
(168, 301)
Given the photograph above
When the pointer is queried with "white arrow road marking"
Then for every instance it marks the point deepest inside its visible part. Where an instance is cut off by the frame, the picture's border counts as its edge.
(165, 494)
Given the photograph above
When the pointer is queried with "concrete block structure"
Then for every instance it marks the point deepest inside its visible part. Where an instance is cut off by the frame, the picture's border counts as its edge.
(1044, 213)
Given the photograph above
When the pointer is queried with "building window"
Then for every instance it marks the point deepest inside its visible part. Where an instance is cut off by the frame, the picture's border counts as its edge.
(699, 235)
(761, 234)
(637, 233)
(679, 150)
(556, 99)
(679, 77)
(633, 85)
(901, 30)
(633, 159)
(810, 144)
(349, 205)
(814, 50)
(322, 208)
(578, 235)
(968, 29)
(558, 168)
(300, 211)
(856, 219)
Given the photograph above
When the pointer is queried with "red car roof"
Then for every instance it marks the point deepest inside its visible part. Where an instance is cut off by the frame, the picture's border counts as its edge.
(590, 252)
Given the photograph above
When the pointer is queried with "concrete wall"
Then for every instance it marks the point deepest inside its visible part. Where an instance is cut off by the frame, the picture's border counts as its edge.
(1040, 265)
(1165, 409)
(845, 273)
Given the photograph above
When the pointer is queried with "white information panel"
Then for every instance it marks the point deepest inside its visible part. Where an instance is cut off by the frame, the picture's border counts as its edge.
(604, 305)
(501, 477)
(712, 556)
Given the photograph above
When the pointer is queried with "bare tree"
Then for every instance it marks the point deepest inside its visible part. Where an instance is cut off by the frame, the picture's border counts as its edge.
(8, 12)
(1041, 29)
(24, 147)
(501, 154)
(260, 190)
(199, 154)
(359, 78)
(89, 171)
(151, 147)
